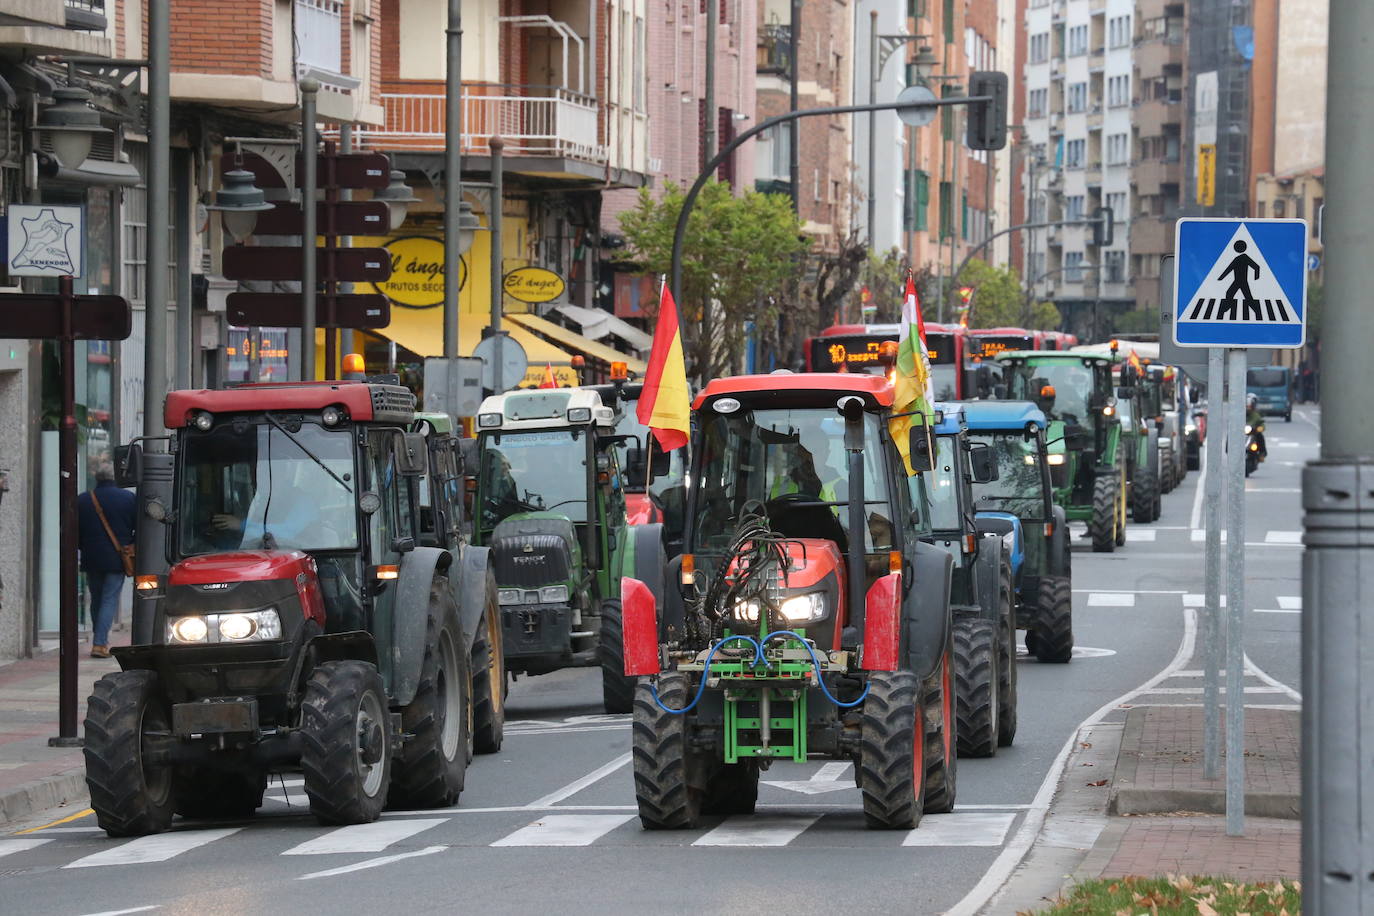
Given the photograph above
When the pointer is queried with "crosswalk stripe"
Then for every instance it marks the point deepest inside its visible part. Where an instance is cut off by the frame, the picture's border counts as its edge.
(1200, 534)
(10, 847)
(1290, 602)
(960, 829)
(1140, 535)
(373, 837)
(157, 848)
(372, 863)
(1111, 599)
(1194, 600)
(757, 831)
(565, 830)
(1283, 537)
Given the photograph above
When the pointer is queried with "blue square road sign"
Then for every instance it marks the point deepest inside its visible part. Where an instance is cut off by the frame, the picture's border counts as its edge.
(1240, 283)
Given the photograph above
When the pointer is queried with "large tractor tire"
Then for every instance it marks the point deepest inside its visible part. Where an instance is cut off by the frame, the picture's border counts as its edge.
(488, 667)
(670, 776)
(346, 743)
(130, 797)
(1168, 471)
(976, 678)
(432, 766)
(892, 764)
(202, 792)
(732, 789)
(1006, 663)
(1121, 508)
(942, 735)
(617, 690)
(1102, 526)
(1144, 496)
(1054, 623)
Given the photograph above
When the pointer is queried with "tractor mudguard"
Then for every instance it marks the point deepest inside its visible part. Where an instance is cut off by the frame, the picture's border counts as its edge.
(354, 645)
(647, 561)
(1057, 560)
(1152, 451)
(925, 610)
(410, 618)
(1004, 523)
(469, 583)
(987, 576)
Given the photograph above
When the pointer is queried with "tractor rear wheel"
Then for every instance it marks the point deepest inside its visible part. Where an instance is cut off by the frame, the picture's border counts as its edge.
(1168, 472)
(346, 743)
(488, 668)
(1121, 512)
(942, 731)
(1006, 663)
(203, 792)
(130, 797)
(670, 776)
(617, 690)
(1054, 623)
(976, 678)
(732, 789)
(1144, 496)
(892, 764)
(432, 766)
(1102, 525)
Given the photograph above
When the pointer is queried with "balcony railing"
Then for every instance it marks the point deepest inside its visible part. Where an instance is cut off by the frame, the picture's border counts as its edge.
(319, 35)
(775, 48)
(86, 15)
(533, 121)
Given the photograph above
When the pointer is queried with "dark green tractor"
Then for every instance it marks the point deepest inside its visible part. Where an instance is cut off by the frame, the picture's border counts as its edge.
(1077, 395)
(1140, 448)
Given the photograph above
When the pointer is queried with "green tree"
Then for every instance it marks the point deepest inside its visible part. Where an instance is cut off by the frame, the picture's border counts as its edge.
(998, 299)
(737, 257)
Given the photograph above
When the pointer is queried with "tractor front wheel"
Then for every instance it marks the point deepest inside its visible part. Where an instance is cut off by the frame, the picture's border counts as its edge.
(1144, 496)
(1054, 623)
(939, 703)
(892, 764)
(131, 797)
(976, 678)
(1102, 525)
(346, 738)
(670, 776)
(488, 668)
(617, 690)
(1006, 663)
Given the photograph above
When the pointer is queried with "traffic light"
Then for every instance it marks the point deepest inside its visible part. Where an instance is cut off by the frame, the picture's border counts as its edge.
(1103, 231)
(987, 121)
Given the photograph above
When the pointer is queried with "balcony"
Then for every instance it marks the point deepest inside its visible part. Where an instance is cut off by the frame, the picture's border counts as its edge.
(1151, 116)
(1152, 235)
(1153, 56)
(775, 49)
(1095, 118)
(319, 42)
(86, 15)
(537, 121)
(1149, 175)
(1092, 174)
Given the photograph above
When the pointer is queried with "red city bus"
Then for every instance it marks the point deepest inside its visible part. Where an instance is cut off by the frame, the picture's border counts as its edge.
(1059, 340)
(985, 343)
(855, 348)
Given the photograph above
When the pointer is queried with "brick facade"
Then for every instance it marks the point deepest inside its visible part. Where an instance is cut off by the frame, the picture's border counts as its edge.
(210, 36)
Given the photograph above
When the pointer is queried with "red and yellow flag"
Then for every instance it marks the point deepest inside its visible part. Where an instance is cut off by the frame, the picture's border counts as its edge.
(1134, 360)
(548, 381)
(914, 393)
(665, 403)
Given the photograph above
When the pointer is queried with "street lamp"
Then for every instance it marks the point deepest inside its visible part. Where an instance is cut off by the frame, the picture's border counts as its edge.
(925, 62)
(239, 202)
(71, 125)
(468, 225)
(398, 197)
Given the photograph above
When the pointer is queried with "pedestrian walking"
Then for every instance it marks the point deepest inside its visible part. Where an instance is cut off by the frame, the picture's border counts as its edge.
(105, 536)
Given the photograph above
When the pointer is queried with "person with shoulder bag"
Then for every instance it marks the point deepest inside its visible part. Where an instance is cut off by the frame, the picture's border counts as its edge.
(105, 516)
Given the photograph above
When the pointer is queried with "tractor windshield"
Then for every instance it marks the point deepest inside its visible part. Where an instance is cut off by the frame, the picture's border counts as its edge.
(790, 464)
(1072, 383)
(1020, 484)
(539, 471)
(944, 483)
(267, 487)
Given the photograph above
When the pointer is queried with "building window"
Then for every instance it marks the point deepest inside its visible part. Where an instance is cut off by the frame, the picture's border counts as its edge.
(1073, 206)
(946, 210)
(1040, 48)
(1073, 267)
(1117, 201)
(1114, 264)
(917, 199)
(1116, 149)
(1317, 204)
(1073, 154)
(1078, 97)
(1119, 32)
(949, 22)
(638, 76)
(1118, 91)
(1036, 101)
(1259, 209)
(1078, 40)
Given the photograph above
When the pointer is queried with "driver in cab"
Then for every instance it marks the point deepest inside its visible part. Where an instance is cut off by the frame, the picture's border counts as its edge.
(798, 475)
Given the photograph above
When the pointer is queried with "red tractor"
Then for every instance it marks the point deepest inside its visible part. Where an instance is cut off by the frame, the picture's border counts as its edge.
(806, 618)
(310, 617)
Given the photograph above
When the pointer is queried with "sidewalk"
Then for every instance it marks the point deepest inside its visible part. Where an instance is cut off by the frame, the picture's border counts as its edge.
(34, 776)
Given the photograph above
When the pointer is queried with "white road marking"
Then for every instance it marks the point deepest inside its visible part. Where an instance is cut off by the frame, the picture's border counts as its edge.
(757, 831)
(1195, 600)
(1200, 535)
(1140, 535)
(831, 772)
(1255, 670)
(1111, 599)
(372, 863)
(1132, 591)
(810, 786)
(1277, 610)
(1273, 489)
(10, 847)
(1290, 602)
(1085, 652)
(959, 829)
(1195, 518)
(157, 848)
(577, 785)
(132, 909)
(1283, 537)
(1295, 445)
(1303, 416)
(1185, 691)
(512, 809)
(564, 830)
(373, 837)
(1013, 852)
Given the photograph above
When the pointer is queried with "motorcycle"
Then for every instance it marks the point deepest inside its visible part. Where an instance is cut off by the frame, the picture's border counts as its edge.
(1255, 450)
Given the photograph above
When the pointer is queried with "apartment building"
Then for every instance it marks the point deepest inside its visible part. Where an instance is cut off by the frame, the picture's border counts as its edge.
(1078, 120)
(1162, 106)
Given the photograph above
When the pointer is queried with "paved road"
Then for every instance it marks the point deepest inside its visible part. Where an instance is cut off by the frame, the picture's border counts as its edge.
(548, 823)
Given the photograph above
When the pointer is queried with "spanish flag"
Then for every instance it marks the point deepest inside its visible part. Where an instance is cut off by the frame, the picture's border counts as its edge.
(1134, 360)
(914, 393)
(549, 381)
(665, 403)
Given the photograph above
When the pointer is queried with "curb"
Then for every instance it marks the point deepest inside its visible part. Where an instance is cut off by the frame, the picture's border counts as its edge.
(49, 792)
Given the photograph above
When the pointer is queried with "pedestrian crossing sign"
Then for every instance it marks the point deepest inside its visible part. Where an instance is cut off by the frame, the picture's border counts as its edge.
(1240, 283)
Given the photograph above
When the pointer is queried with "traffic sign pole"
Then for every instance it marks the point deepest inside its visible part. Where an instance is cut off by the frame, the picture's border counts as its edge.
(1235, 594)
(1211, 624)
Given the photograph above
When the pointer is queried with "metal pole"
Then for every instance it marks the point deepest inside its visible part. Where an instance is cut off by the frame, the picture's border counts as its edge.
(1213, 496)
(712, 25)
(1235, 594)
(1338, 565)
(331, 263)
(453, 192)
(185, 346)
(955, 210)
(794, 153)
(309, 164)
(67, 663)
(872, 115)
(494, 219)
(346, 286)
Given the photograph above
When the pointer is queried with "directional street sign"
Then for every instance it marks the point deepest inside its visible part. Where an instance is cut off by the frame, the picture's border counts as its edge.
(285, 310)
(35, 315)
(265, 262)
(1240, 283)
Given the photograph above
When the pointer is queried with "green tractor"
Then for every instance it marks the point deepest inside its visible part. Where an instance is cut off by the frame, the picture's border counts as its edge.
(550, 503)
(1075, 392)
(1140, 448)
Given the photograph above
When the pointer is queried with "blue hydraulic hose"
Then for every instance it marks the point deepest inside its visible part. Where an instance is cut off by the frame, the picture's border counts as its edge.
(701, 688)
(816, 666)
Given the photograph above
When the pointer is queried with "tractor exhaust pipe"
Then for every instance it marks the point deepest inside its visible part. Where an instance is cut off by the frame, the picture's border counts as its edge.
(852, 409)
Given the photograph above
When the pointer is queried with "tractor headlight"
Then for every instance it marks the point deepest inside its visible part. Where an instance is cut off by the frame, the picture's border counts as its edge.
(554, 594)
(804, 608)
(247, 626)
(747, 610)
(579, 414)
(508, 596)
(489, 420)
(1055, 460)
(188, 629)
(237, 626)
(204, 420)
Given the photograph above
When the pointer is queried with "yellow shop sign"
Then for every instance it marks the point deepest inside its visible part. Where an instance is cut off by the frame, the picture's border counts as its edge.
(533, 284)
(417, 272)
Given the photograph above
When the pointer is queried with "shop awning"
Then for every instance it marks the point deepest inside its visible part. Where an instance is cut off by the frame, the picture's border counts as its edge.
(422, 332)
(596, 324)
(573, 341)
